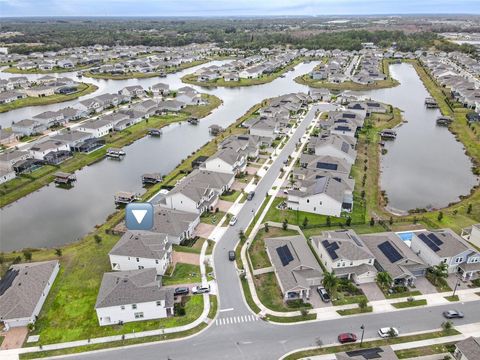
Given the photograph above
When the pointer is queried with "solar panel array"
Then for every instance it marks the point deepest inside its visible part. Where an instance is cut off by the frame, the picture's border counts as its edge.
(357, 241)
(284, 254)
(345, 147)
(326, 166)
(390, 252)
(342, 128)
(331, 249)
(367, 354)
(432, 241)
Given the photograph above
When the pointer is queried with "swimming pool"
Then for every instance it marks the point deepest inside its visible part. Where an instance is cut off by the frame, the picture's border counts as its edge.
(405, 236)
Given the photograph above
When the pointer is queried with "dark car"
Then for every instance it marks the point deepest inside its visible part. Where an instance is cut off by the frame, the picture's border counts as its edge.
(453, 314)
(347, 338)
(181, 291)
(250, 195)
(323, 294)
(231, 255)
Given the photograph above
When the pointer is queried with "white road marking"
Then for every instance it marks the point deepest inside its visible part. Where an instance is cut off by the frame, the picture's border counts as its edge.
(225, 310)
(235, 319)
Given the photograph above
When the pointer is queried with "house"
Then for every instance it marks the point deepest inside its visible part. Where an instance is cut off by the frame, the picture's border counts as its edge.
(41, 149)
(23, 290)
(72, 138)
(72, 114)
(294, 265)
(467, 349)
(134, 91)
(345, 254)
(177, 225)
(8, 137)
(324, 195)
(160, 89)
(472, 234)
(328, 163)
(40, 91)
(198, 191)
(263, 127)
(97, 128)
(227, 160)
(9, 158)
(170, 105)
(333, 145)
(28, 127)
(92, 105)
(50, 118)
(10, 96)
(135, 295)
(6, 175)
(141, 250)
(444, 246)
(119, 120)
(393, 256)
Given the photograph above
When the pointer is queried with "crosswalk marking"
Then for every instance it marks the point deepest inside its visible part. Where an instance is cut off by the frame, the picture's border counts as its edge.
(235, 319)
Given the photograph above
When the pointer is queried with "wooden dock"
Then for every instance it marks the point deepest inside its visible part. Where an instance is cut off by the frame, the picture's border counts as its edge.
(151, 178)
(431, 103)
(155, 132)
(115, 153)
(193, 121)
(388, 134)
(63, 178)
(444, 120)
(124, 197)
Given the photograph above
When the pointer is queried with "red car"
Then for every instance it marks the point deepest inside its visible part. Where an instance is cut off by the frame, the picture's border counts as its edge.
(347, 338)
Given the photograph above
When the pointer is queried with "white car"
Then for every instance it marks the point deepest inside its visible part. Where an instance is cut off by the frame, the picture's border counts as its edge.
(200, 289)
(233, 221)
(387, 332)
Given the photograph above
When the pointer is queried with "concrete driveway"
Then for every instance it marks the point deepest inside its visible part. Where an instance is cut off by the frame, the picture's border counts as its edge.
(372, 291)
(424, 286)
(203, 230)
(315, 299)
(224, 205)
(14, 338)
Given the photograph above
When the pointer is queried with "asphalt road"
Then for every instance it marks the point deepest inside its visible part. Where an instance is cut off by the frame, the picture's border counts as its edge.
(237, 334)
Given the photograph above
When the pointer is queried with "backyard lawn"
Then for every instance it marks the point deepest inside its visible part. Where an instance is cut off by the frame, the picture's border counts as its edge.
(183, 274)
(230, 195)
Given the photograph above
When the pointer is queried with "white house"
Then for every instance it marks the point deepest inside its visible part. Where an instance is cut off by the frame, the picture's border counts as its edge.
(227, 160)
(345, 254)
(467, 349)
(25, 288)
(135, 295)
(335, 146)
(38, 151)
(178, 225)
(472, 234)
(141, 250)
(97, 128)
(444, 246)
(6, 175)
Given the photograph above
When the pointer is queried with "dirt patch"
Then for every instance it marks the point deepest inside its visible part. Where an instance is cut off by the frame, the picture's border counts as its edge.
(186, 258)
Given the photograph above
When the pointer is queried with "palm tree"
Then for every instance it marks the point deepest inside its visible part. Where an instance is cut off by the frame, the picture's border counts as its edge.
(330, 283)
(438, 272)
(384, 279)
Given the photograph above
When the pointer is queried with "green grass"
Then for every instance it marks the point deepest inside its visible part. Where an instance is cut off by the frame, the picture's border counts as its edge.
(291, 319)
(196, 248)
(212, 218)
(402, 294)
(355, 311)
(183, 274)
(257, 251)
(408, 304)
(82, 89)
(352, 299)
(211, 245)
(213, 307)
(26, 184)
(248, 296)
(114, 344)
(370, 344)
(425, 351)
(231, 195)
(452, 298)
(257, 216)
(270, 295)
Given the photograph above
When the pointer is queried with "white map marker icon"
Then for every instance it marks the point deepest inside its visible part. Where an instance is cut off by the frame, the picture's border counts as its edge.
(139, 215)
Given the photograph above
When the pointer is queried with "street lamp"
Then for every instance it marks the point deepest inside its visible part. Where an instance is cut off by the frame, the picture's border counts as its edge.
(363, 332)
(456, 285)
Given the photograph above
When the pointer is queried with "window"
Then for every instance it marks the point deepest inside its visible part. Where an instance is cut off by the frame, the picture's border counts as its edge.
(138, 315)
(458, 260)
(320, 203)
(156, 261)
(159, 303)
(140, 267)
(138, 259)
(134, 306)
(122, 307)
(308, 200)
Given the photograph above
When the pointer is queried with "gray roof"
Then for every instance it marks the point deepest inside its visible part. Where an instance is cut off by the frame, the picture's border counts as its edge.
(142, 244)
(47, 145)
(172, 222)
(20, 298)
(12, 155)
(470, 347)
(229, 155)
(408, 262)
(131, 287)
(350, 246)
(325, 162)
(302, 267)
(322, 185)
(95, 124)
(451, 244)
(379, 353)
(72, 136)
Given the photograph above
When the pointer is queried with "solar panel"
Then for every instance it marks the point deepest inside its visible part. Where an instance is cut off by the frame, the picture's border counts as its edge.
(354, 238)
(345, 147)
(343, 121)
(428, 242)
(331, 248)
(435, 239)
(349, 115)
(342, 128)
(284, 254)
(327, 166)
(390, 252)
(367, 354)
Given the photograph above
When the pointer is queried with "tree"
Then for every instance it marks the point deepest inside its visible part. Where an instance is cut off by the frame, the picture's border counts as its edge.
(305, 222)
(348, 222)
(390, 221)
(98, 239)
(440, 216)
(266, 227)
(438, 272)
(384, 279)
(330, 283)
(58, 252)
(447, 325)
(241, 235)
(285, 224)
(469, 208)
(392, 333)
(362, 304)
(27, 254)
(329, 221)
(372, 221)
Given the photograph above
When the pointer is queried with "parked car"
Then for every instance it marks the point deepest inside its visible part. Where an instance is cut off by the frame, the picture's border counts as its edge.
(347, 338)
(181, 291)
(200, 289)
(323, 294)
(388, 332)
(250, 195)
(453, 314)
(233, 220)
(231, 255)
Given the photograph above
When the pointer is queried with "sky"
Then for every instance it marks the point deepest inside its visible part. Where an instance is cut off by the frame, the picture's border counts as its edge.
(16, 8)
